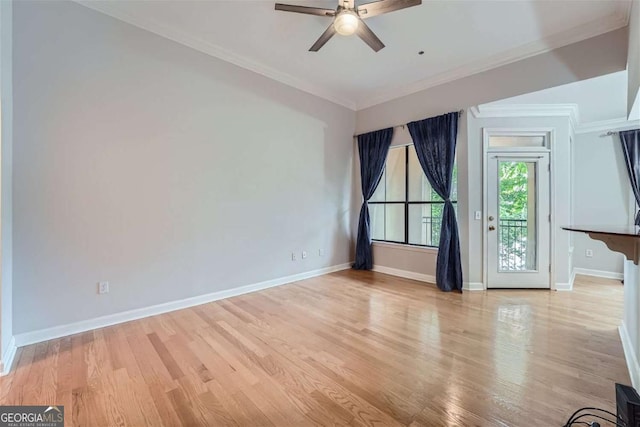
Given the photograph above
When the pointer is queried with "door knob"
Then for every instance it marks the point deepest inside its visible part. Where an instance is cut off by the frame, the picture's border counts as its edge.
(490, 218)
(491, 228)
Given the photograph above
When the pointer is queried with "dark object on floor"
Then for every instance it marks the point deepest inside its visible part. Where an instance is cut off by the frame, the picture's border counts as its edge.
(628, 405)
(580, 417)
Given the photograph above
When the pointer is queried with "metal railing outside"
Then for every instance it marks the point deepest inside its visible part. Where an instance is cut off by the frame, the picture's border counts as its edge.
(432, 230)
(512, 253)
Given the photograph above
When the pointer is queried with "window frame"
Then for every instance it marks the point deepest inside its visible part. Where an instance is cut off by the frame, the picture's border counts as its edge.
(406, 202)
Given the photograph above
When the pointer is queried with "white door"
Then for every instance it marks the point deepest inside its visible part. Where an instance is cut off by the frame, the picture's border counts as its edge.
(518, 220)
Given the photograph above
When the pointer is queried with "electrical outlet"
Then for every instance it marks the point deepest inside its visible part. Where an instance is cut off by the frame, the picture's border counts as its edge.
(320, 252)
(304, 254)
(588, 253)
(293, 256)
(103, 287)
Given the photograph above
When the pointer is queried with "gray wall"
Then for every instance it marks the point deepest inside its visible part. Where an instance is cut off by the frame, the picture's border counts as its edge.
(6, 142)
(601, 196)
(633, 60)
(164, 171)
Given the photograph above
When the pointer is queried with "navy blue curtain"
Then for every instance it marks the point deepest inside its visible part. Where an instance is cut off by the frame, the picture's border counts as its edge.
(372, 148)
(631, 148)
(435, 143)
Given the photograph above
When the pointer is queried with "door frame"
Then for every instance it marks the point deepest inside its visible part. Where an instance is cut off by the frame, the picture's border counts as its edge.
(633, 207)
(550, 138)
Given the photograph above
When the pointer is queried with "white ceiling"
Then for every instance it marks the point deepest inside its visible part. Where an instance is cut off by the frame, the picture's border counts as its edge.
(459, 38)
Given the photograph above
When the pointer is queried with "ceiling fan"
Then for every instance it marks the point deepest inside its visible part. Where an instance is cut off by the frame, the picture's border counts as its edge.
(348, 18)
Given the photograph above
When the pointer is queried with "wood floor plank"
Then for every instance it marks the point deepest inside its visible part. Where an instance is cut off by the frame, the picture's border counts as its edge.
(18, 378)
(112, 400)
(351, 348)
(166, 357)
(183, 409)
(79, 372)
(139, 408)
(215, 412)
(50, 380)
(248, 410)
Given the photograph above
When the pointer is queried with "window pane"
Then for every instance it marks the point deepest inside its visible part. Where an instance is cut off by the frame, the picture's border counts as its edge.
(395, 175)
(394, 222)
(387, 222)
(517, 141)
(454, 182)
(419, 188)
(425, 222)
(376, 213)
(517, 218)
(380, 194)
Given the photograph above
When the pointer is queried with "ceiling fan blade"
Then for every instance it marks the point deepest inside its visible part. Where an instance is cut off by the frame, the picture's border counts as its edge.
(306, 10)
(375, 8)
(324, 38)
(368, 36)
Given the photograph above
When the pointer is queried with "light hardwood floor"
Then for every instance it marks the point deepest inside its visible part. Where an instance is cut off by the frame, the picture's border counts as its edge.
(350, 348)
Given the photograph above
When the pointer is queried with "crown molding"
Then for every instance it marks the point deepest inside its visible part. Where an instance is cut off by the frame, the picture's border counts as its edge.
(571, 111)
(591, 29)
(111, 9)
(617, 20)
(529, 110)
(475, 111)
(608, 125)
(623, 9)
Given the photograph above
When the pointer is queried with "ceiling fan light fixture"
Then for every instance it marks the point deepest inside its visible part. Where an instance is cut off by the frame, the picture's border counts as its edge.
(349, 19)
(346, 23)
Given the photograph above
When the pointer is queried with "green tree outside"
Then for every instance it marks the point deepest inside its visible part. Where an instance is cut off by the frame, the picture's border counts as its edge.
(513, 214)
(513, 190)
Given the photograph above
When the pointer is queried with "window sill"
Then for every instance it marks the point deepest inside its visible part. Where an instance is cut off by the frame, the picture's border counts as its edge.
(403, 247)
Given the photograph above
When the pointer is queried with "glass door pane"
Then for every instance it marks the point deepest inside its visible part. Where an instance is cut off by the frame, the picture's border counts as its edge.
(517, 217)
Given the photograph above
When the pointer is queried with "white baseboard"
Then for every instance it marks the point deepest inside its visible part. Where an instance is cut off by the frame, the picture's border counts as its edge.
(567, 286)
(473, 286)
(404, 274)
(587, 272)
(467, 286)
(8, 356)
(630, 356)
(563, 286)
(33, 337)
(599, 273)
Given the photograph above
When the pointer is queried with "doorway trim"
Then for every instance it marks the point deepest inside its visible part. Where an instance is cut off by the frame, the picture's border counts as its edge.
(550, 137)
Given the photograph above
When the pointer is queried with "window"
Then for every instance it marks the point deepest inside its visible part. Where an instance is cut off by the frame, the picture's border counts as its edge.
(498, 141)
(404, 208)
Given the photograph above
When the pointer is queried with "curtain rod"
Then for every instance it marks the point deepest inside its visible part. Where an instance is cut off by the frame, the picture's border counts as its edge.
(461, 112)
(613, 132)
